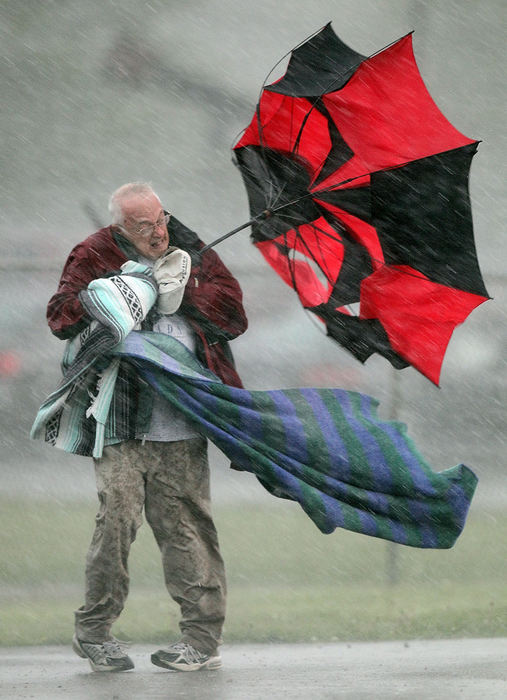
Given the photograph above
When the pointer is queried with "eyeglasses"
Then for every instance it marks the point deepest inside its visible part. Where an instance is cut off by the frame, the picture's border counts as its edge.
(146, 231)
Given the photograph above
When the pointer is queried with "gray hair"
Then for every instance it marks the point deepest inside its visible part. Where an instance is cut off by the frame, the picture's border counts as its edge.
(124, 193)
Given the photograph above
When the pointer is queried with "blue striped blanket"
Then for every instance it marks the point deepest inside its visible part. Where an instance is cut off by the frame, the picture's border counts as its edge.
(326, 449)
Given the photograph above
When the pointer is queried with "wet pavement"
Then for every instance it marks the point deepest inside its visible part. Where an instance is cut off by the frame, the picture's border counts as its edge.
(467, 669)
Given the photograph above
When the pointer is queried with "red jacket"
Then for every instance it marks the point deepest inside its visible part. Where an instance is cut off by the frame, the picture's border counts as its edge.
(212, 302)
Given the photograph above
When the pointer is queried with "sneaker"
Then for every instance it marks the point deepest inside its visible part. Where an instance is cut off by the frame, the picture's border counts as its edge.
(108, 656)
(183, 657)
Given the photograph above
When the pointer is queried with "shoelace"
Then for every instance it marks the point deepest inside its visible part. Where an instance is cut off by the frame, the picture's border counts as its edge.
(188, 652)
(94, 651)
(191, 654)
(113, 649)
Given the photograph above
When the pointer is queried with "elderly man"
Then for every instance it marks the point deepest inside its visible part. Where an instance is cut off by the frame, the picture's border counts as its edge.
(159, 464)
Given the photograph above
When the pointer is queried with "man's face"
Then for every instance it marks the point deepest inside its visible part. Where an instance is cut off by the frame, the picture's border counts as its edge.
(145, 226)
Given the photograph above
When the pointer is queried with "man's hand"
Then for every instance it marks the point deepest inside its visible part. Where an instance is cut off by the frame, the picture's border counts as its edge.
(171, 272)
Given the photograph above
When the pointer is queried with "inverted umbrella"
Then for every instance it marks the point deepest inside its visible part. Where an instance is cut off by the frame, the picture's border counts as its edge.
(358, 188)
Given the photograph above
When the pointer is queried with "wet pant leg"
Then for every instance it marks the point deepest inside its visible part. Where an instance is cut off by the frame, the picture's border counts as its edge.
(121, 491)
(179, 513)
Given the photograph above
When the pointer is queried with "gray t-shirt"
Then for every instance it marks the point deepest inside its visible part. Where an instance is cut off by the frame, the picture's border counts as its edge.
(167, 422)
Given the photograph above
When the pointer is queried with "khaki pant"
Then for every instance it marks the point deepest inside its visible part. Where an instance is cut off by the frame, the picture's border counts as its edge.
(171, 481)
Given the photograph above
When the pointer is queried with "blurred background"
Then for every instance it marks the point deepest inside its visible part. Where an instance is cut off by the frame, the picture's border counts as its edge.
(98, 93)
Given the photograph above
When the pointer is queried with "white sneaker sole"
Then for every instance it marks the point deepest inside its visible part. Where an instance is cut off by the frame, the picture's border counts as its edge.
(212, 664)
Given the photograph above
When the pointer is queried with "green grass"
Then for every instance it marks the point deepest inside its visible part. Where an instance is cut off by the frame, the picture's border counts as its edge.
(287, 581)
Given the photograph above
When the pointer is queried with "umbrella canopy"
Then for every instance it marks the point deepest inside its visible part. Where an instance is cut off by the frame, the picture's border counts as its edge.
(359, 189)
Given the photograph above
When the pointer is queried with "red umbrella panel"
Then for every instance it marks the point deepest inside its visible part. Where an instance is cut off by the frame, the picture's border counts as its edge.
(364, 185)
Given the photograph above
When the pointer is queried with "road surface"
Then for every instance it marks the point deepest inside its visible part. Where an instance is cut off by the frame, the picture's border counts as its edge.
(422, 670)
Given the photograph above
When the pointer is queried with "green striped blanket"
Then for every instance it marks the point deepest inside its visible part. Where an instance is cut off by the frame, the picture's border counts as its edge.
(326, 449)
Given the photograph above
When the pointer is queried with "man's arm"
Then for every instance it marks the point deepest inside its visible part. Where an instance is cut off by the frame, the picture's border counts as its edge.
(214, 299)
(96, 256)
(65, 314)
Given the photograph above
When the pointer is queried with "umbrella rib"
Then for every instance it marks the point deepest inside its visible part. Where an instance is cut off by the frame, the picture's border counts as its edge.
(326, 273)
(309, 253)
(337, 80)
(310, 36)
(260, 126)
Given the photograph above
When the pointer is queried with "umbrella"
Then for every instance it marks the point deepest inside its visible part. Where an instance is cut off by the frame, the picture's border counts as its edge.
(358, 189)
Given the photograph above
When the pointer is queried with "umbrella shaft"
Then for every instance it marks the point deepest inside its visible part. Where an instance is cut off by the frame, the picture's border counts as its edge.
(231, 233)
(265, 214)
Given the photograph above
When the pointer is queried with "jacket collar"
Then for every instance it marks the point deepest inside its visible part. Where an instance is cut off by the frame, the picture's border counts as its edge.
(126, 247)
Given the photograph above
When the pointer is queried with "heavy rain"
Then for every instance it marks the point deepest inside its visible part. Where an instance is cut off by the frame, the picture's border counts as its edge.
(96, 94)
